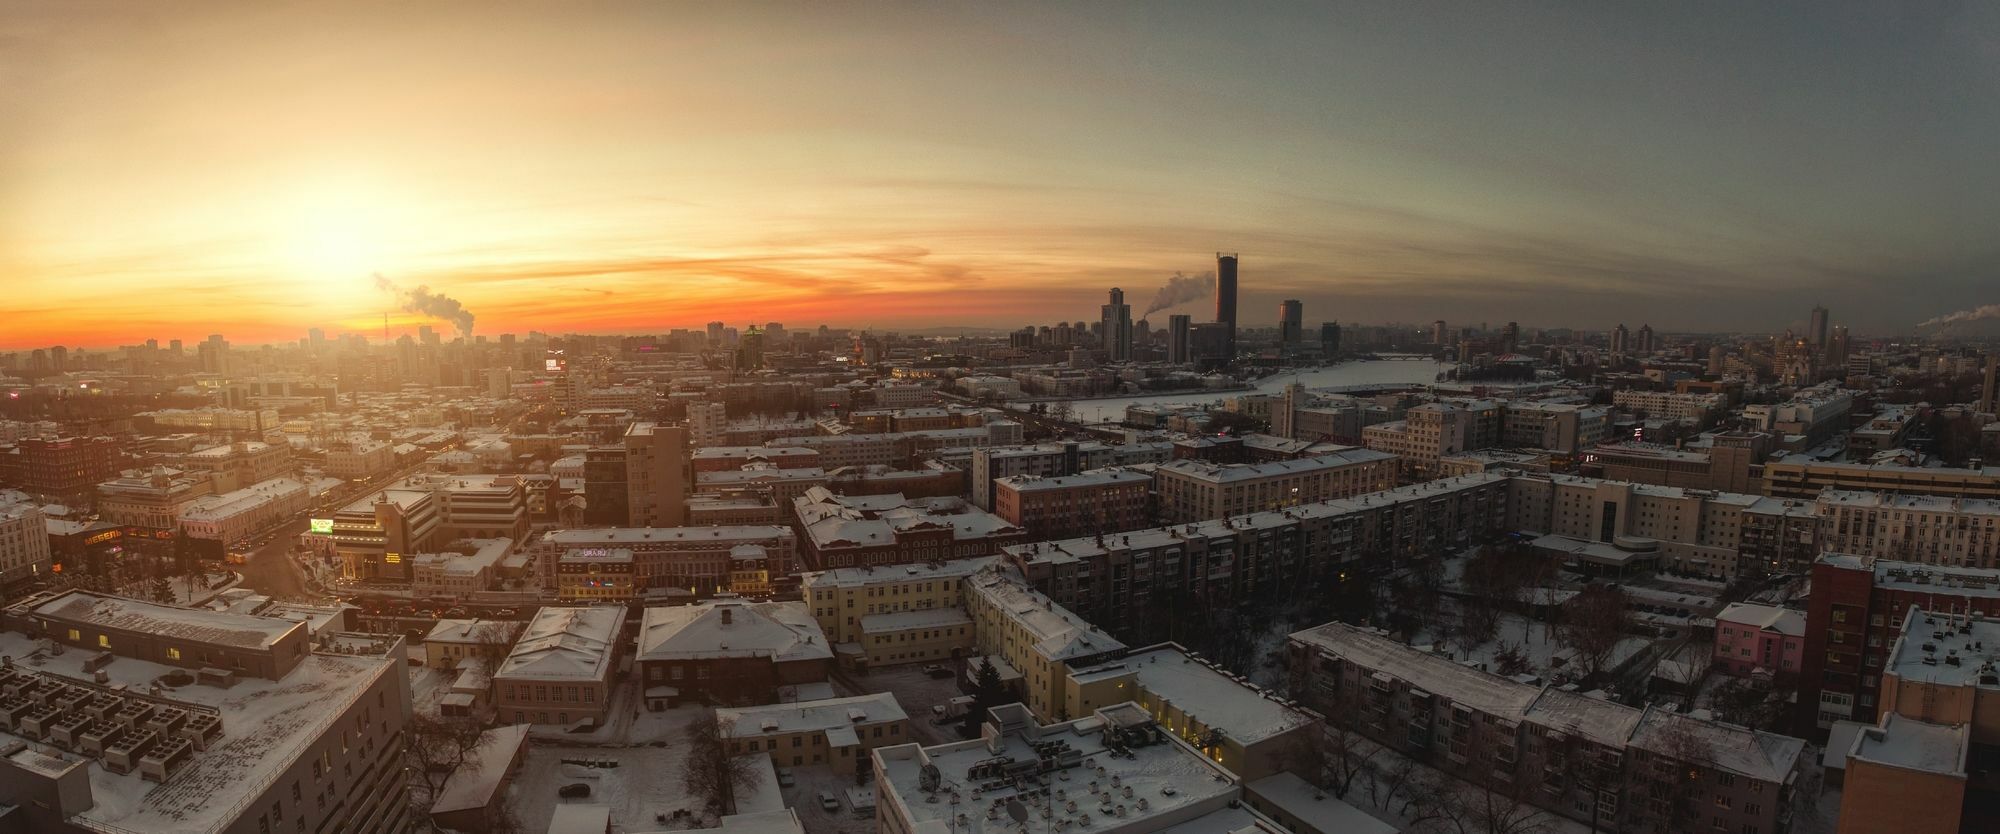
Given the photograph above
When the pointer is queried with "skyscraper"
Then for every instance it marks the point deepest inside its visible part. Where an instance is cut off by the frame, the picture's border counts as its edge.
(1178, 334)
(1329, 338)
(1225, 301)
(1647, 344)
(1510, 337)
(1620, 337)
(1291, 322)
(1989, 395)
(1117, 324)
(1816, 329)
(1437, 332)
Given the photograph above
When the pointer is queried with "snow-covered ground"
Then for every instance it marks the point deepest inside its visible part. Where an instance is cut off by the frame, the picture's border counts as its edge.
(646, 783)
(803, 798)
(915, 692)
(1533, 638)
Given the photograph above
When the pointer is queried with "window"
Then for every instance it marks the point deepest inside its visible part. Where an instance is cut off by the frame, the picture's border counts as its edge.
(75, 636)
(173, 653)
(104, 641)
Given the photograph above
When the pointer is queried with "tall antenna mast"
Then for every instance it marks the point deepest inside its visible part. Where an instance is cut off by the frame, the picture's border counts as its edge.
(385, 326)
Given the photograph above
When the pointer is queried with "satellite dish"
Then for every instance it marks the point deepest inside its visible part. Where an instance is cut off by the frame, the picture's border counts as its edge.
(1017, 811)
(927, 779)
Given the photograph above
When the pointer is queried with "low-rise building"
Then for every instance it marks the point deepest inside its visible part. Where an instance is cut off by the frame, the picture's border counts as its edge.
(862, 610)
(239, 514)
(1146, 780)
(1752, 638)
(1231, 720)
(853, 530)
(457, 574)
(486, 642)
(699, 560)
(836, 732)
(728, 651)
(559, 671)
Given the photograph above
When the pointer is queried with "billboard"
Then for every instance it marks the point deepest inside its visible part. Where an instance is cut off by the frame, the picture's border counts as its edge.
(321, 525)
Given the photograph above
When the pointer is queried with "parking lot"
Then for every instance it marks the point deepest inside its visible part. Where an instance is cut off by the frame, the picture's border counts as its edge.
(915, 692)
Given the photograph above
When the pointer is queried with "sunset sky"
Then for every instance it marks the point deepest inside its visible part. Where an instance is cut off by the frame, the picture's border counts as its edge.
(171, 170)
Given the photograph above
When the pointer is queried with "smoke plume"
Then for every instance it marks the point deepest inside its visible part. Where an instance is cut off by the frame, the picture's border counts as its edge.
(424, 302)
(1181, 289)
(1990, 311)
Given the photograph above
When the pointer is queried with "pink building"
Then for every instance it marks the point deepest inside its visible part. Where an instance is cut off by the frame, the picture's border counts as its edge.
(1750, 637)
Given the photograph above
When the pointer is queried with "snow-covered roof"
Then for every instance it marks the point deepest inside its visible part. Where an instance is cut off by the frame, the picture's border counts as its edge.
(1914, 745)
(889, 574)
(1229, 473)
(267, 725)
(1204, 693)
(906, 620)
(811, 716)
(1753, 753)
(474, 783)
(223, 629)
(1764, 617)
(781, 631)
(580, 819)
(1289, 793)
(1175, 782)
(1057, 633)
(472, 631)
(565, 644)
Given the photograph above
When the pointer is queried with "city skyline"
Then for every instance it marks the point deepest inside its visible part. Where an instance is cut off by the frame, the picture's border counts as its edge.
(957, 166)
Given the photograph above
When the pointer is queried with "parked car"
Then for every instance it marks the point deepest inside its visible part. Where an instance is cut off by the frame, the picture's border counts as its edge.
(785, 777)
(574, 790)
(828, 802)
(937, 670)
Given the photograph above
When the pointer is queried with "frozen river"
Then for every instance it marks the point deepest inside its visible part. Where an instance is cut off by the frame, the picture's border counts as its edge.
(1380, 372)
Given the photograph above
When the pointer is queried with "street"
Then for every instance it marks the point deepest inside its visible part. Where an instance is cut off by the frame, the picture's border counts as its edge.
(270, 570)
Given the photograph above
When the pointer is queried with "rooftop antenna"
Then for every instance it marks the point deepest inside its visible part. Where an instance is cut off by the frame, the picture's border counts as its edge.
(385, 326)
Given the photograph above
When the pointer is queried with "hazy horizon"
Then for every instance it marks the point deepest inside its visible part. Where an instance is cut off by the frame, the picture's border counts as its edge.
(247, 169)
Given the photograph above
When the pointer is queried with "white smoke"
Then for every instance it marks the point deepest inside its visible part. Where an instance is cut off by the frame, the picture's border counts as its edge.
(1181, 289)
(436, 305)
(1989, 311)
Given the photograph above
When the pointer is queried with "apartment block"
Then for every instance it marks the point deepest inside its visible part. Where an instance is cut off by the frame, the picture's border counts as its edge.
(1062, 506)
(1594, 761)
(1189, 490)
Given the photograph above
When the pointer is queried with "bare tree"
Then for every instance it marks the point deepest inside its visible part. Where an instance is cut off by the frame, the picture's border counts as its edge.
(490, 642)
(436, 748)
(1593, 623)
(1330, 757)
(712, 770)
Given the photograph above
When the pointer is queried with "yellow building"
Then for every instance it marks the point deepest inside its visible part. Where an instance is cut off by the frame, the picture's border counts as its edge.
(836, 732)
(893, 614)
(1036, 636)
(1231, 720)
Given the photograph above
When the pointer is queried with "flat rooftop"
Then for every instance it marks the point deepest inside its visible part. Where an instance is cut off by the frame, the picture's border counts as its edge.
(1914, 745)
(1213, 696)
(1166, 778)
(266, 726)
(240, 630)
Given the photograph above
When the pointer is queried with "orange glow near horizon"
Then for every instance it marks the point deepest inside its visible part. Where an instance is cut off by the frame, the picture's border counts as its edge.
(172, 171)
